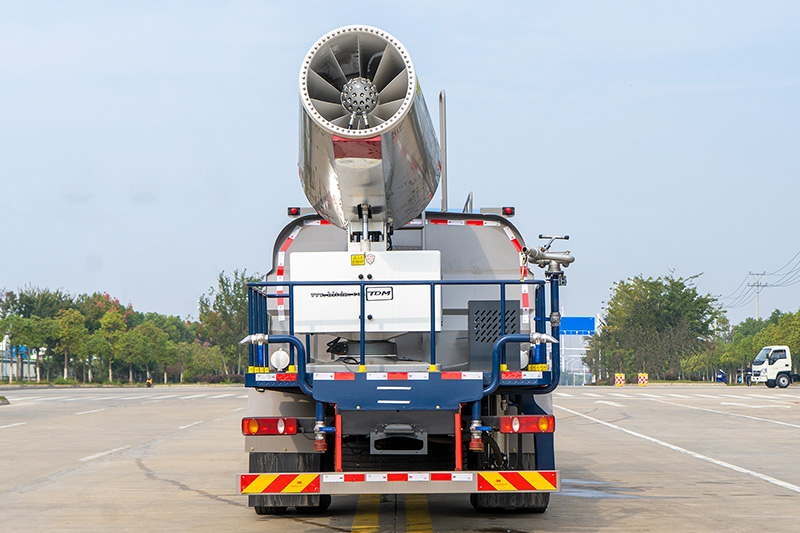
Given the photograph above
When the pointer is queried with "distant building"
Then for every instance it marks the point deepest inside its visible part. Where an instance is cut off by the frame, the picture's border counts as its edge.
(574, 332)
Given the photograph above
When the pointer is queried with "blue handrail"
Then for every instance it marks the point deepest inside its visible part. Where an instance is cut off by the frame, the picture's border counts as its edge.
(301, 359)
(498, 350)
(363, 284)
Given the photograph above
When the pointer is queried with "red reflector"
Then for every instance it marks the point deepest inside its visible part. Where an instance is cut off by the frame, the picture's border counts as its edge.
(527, 424)
(293, 211)
(508, 211)
(269, 426)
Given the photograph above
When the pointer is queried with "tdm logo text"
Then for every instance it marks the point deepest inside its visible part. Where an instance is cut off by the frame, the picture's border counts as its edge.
(379, 293)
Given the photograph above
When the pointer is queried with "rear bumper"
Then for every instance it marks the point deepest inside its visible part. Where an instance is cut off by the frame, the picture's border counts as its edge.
(401, 482)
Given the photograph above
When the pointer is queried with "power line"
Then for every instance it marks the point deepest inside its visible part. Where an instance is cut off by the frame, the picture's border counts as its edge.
(745, 293)
(784, 266)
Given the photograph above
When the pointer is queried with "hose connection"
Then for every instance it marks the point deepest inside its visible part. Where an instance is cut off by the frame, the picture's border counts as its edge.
(475, 442)
(320, 444)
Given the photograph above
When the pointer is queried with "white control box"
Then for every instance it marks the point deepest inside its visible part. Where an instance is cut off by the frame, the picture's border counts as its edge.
(388, 307)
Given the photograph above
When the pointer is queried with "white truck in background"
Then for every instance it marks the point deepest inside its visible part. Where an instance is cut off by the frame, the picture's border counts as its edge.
(773, 366)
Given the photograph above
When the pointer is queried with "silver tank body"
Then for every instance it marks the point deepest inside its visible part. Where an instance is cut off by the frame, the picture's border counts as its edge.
(338, 170)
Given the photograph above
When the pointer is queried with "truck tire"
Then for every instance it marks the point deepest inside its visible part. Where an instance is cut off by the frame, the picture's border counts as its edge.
(771, 383)
(532, 502)
(782, 381)
(269, 510)
(324, 503)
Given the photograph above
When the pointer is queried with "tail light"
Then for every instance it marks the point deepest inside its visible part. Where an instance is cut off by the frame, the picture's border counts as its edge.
(269, 426)
(527, 424)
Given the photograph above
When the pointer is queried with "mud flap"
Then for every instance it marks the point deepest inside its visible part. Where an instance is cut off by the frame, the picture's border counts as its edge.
(286, 462)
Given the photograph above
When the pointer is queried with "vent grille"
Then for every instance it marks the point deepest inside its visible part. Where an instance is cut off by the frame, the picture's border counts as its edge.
(484, 327)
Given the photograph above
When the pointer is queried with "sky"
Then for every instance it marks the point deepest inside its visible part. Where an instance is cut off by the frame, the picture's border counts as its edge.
(147, 146)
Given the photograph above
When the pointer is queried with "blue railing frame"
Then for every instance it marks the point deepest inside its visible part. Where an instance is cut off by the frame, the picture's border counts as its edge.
(258, 323)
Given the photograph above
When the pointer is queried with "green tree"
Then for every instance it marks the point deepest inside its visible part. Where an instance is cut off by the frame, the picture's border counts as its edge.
(223, 316)
(207, 359)
(72, 334)
(131, 350)
(112, 328)
(96, 345)
(143, 346)
(183, 357)
(19, 331)
(652, 325)
(157, 350)
(46, 335)
(178, 330)
(96, 305)
(8, 303)
(33, 301)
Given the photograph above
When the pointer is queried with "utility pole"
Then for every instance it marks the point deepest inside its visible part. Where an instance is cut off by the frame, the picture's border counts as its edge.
(758, 287)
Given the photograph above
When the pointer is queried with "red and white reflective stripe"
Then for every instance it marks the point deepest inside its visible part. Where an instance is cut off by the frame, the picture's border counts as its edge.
(334, 376)
(523, 270)
(397, 476)
(513, 238)
(526, 304)
(290, 239)
(448, 222)
(415, 222)
(462, 375)
(276, 377)
(387, 376)
(521, 375)
(317, 223)
(280, 270)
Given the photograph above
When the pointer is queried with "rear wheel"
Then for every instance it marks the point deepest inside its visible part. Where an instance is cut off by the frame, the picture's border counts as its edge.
(782, 381)
(324, 503)
(535, 502)
(270, 510)
(771, 383)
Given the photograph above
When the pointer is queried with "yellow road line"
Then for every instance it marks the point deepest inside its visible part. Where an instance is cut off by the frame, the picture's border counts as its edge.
(366, 519)
(418, 517)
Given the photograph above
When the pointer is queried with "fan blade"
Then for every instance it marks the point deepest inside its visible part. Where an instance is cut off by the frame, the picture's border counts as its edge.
(326, 65)
(342, 122)
(320, 89)
(370, 54)
(374, 120)
(391, 65)
(345, 50)
(328, 110)
(396, 89)
(385, 111)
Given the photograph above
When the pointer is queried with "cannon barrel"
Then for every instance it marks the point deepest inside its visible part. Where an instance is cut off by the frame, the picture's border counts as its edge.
(366, 137)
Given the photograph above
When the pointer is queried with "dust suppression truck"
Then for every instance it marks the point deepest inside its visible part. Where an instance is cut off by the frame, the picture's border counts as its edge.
(395, 349)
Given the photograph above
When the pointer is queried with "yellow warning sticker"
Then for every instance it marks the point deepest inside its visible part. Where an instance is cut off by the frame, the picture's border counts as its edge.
(357, 260)
(538, 368)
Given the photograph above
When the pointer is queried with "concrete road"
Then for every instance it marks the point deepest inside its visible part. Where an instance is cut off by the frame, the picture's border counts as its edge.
(699, 458)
